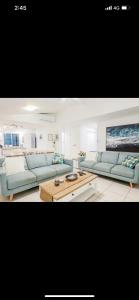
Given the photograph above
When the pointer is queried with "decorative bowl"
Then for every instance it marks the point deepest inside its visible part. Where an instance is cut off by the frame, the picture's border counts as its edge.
(81, 173)
(71, 177)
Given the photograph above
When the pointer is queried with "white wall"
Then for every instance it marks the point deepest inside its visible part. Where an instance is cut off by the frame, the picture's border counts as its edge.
(42, 140)
(75, 141)
(76, 138)
(122, 120)
(1, 138)
(43, 143)
(25, 136)
(27, 139)
(88, 136)
(64, 143)
(77, 132)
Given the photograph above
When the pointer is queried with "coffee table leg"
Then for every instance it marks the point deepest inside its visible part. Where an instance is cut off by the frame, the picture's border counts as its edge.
(44, 196)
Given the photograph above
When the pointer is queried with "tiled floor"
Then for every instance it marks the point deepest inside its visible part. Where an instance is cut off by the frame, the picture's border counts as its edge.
(108, 190)
(111, 190)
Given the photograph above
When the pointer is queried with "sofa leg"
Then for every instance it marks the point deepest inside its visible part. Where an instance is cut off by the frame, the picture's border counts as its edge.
(131, 185)
(11, 197)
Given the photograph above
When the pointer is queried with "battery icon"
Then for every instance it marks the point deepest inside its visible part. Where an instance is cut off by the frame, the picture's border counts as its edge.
(124, 7)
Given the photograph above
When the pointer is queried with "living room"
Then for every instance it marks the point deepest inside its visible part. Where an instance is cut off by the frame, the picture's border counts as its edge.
(78, 129)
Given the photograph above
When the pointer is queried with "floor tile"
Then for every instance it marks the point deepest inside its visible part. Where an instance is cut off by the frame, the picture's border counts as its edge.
(120, 189)
(34, 197)
(109, 197)
(102, 185)
(94, 197)
(133, 195)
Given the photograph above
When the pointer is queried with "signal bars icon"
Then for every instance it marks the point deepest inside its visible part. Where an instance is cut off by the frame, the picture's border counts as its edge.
(108, 8)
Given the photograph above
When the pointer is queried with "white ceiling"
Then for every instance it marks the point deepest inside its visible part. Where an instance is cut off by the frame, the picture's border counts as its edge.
(56, 105)
(94, 108)
(45, 105)
(66, 109)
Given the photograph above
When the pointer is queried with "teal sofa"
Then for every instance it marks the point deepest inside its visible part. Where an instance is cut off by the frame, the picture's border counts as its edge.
(38, 168)
(109, 164)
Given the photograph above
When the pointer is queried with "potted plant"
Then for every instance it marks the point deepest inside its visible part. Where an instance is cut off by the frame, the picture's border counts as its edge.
(82, 153)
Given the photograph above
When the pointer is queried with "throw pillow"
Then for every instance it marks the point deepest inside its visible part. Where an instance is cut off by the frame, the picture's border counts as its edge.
(58, 159)
(130, 161)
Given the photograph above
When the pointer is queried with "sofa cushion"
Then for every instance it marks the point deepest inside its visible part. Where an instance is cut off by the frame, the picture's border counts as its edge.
(49, 159)
(22, 178)
(62, 168)
(44, 173)
(122, 171)
(124, 155)
(104, 167)
(110, 157)
(87, 164)
(36, 161)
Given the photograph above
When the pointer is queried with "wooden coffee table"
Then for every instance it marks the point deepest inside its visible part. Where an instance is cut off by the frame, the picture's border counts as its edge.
(68, 190)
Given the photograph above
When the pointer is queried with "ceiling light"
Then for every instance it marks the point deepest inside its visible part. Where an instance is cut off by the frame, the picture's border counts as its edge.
(63, 99)
(70, 99)
(30, 107)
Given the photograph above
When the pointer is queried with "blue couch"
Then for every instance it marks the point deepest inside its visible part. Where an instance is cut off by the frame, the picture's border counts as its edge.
(109, 163)
(38, 168)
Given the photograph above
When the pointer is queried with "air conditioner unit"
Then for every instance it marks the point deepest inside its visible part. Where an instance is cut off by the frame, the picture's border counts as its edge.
(47, 117)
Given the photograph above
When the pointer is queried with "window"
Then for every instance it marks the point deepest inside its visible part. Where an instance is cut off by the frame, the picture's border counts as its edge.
(15, 139)
(7, 139)
(11, 139)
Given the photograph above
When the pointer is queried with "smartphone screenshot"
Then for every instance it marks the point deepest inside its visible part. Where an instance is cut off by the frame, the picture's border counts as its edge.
(69, 149)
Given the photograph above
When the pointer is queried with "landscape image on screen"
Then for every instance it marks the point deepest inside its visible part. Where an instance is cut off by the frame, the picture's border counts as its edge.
(123, 138)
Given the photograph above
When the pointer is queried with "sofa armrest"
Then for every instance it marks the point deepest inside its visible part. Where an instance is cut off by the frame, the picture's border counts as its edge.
(2, 171)
(2, 161)
(80, 159)
(68, 162)
(136, 177)
(3, 181)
